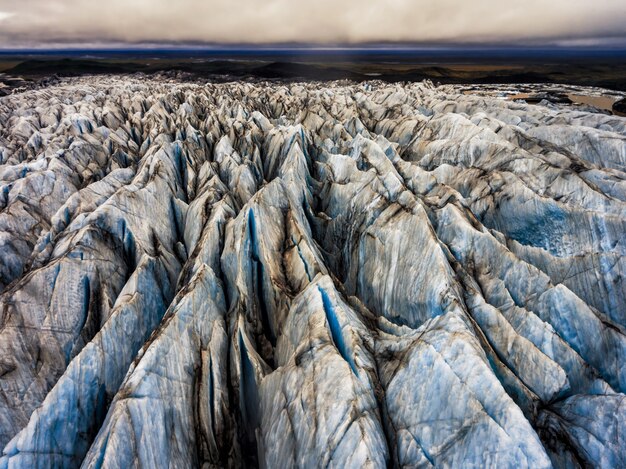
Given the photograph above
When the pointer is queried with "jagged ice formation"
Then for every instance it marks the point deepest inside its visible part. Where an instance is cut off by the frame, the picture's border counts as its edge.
(322, 274)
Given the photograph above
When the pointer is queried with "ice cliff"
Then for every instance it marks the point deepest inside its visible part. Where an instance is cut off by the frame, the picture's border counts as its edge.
(308, 275)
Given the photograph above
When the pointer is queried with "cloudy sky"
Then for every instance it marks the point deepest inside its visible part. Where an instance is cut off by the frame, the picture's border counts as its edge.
(50, 23)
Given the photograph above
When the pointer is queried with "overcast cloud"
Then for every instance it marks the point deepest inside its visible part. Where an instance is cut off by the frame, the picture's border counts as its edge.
(45, 22)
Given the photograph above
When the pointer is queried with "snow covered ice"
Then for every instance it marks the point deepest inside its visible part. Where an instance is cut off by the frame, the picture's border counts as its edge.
(309, 274)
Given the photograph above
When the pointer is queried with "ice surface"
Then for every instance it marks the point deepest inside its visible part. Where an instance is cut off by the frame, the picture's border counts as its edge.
(305, 275)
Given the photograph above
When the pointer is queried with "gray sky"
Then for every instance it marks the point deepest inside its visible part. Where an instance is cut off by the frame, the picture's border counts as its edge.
(44, 23)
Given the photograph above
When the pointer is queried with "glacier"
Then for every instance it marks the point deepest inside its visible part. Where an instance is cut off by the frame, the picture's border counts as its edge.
(285, 274)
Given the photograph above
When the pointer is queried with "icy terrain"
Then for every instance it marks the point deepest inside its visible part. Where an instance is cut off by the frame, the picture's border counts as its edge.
(337, 275)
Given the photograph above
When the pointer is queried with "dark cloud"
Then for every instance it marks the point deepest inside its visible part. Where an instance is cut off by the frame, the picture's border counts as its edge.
(42, 22)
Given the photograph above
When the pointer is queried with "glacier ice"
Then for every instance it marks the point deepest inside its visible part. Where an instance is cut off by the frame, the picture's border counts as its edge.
(309, 274)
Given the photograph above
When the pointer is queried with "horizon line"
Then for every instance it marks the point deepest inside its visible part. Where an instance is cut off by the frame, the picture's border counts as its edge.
(315, 47)
(357, 50)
